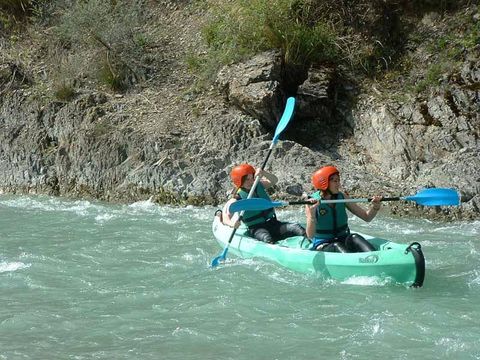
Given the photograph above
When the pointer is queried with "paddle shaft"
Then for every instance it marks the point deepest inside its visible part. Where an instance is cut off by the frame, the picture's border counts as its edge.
(427, 197)
(337, 201)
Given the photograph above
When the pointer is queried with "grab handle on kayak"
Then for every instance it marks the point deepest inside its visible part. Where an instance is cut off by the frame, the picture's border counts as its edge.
(416, 250)
(409, 247)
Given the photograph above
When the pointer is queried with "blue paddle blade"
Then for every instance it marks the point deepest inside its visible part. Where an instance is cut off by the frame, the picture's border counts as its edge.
(285, 119)
(436, 197)
(254, 204)
(218, 259)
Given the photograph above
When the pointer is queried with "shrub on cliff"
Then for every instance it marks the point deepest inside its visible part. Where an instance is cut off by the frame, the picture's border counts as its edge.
(368, 36)
(17, 7)
(15, 12)
(239, 29)
(108, 36)
(363, 34)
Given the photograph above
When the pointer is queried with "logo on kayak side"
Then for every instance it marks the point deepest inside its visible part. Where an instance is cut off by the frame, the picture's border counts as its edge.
(370, 259)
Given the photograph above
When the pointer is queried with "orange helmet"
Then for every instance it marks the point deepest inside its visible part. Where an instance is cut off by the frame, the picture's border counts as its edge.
(321, 177)
(239, 171)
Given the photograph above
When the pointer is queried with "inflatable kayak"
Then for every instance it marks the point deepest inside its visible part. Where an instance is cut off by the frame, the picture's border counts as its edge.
(400, 263)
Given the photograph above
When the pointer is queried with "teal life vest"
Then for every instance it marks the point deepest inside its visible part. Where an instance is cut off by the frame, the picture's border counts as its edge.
(332, 222)
(255, 217)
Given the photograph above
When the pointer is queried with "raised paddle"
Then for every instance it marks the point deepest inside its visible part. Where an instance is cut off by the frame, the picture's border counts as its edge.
(282, 124)
(426, 197)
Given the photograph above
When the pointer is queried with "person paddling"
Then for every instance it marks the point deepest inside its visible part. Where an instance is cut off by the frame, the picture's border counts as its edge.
(262, 225)
(327, 224)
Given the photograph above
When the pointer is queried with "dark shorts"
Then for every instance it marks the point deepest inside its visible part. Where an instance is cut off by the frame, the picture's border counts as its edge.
(274, 230)
(351, 243)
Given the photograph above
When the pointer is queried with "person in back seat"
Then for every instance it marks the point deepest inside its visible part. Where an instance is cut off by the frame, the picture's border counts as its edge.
(262, 225)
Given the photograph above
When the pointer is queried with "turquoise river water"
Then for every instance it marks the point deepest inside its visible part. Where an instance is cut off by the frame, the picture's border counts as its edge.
(86, 280)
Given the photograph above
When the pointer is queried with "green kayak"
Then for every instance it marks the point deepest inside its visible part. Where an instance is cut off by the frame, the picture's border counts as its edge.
(404, 264)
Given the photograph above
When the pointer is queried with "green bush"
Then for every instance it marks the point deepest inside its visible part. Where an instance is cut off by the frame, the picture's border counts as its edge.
(16, 7)
(300, 44)
(238, 29)
(64, 91)
(23, 9)
(448, 50)
(434, 5)
(111, 32)
(433, 75)
(365, 35)
(14, 12)
(114, 73)
(242, 28)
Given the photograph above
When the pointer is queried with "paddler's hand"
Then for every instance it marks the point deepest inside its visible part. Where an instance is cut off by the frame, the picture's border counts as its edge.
(237, 223)
(268, 179)
(310, 209)
(376, 202)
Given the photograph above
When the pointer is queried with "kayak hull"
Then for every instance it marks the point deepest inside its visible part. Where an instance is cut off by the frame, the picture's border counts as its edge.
(401, 263)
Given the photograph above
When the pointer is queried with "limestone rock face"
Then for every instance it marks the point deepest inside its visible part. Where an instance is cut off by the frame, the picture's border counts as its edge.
(94, 147)
(254, 87)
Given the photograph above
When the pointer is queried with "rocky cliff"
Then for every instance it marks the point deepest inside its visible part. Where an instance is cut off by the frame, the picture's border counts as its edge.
(178, 147)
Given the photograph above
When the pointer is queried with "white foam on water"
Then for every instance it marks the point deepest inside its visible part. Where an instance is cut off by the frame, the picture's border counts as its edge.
(281, 278)
(169, 214)
(475, 279)
(179, 331)
(188, 257)
(80, 207)
(12, 266)
(367, 281)
(103, 218)
(451, 345)
(145, 205)
(405, 229)
(471, 228)
(200, 213)
(292, 214)
(24, 202)
(233, 262)
(373, 327)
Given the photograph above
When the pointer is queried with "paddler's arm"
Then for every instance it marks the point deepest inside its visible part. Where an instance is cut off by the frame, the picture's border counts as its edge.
(266, 178)
(310, 212)
(366, 215)
(228, 218)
